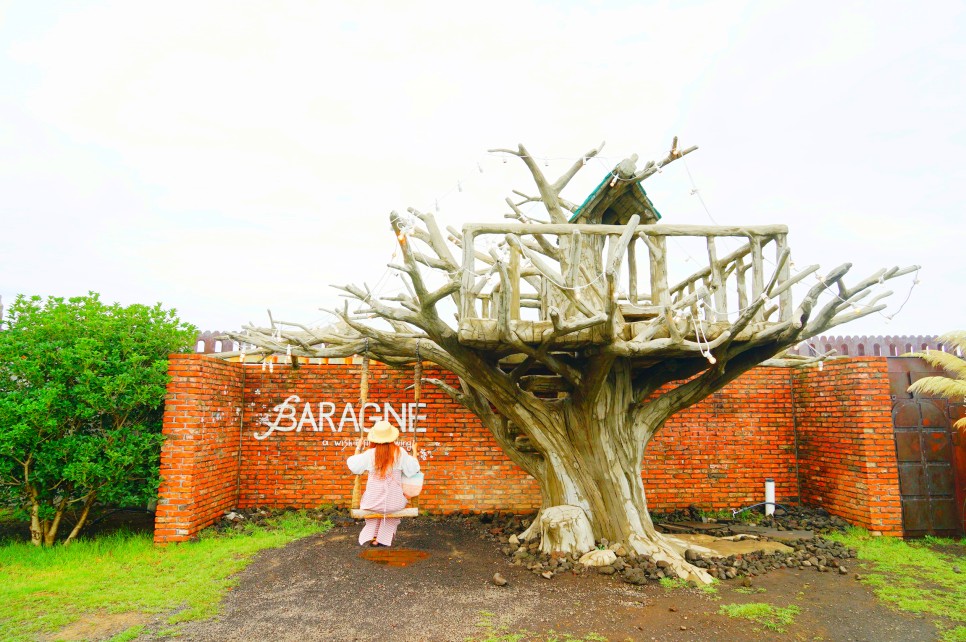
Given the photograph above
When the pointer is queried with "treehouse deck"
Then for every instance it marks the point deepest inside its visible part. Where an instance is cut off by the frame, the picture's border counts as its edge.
(485, 333)
(569, 286)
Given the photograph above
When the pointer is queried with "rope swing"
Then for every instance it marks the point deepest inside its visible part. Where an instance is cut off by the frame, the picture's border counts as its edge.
(413, 509)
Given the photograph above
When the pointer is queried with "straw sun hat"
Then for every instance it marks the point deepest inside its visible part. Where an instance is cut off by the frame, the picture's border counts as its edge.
(383, 433)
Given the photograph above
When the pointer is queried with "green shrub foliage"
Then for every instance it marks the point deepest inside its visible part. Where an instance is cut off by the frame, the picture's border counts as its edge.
(82, 387)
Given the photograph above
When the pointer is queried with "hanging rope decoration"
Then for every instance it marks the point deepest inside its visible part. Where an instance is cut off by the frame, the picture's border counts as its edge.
(364, 382)
(417, 392)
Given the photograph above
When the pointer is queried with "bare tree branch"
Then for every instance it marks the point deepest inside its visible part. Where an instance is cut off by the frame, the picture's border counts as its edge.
(548, 195)
(561, 182)
(436, 240)
(652, 168)
(545, 246)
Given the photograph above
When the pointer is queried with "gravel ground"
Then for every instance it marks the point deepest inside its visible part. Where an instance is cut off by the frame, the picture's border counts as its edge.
(319, 588)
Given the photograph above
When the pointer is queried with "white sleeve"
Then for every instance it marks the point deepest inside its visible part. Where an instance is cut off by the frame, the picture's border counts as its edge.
(410, 465)
(360, 463)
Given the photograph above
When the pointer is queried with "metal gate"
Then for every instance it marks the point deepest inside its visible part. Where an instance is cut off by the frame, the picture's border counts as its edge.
(930, 453)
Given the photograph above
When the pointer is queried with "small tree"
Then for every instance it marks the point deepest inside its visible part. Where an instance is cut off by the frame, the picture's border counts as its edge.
(82, 388)
(953, 386)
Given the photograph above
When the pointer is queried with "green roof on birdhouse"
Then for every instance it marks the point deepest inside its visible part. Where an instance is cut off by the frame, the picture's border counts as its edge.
(615, 201)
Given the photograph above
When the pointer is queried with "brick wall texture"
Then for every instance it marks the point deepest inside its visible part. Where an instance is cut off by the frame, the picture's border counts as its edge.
(200, 455)
(825, 437)
(846, 450)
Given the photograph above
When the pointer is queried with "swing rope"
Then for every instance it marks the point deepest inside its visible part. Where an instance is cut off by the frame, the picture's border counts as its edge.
(363, 399)
(417, 391)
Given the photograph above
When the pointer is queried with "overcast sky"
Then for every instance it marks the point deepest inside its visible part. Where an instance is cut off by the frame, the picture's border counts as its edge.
(228, 157)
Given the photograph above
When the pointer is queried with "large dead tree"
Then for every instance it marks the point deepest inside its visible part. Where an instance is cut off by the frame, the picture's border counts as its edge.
(572, 372)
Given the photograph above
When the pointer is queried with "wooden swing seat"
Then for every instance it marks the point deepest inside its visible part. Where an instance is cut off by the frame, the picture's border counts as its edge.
(409, 511)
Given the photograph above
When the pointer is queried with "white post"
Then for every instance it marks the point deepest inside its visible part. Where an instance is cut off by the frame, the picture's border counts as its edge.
(769, 497)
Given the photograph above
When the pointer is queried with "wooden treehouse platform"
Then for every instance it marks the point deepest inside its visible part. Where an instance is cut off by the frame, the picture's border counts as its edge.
(578, 285)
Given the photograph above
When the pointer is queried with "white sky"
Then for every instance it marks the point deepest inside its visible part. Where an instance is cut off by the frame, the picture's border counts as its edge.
(228, 157)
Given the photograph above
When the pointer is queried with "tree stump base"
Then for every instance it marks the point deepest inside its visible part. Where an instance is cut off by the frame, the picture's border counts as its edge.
(565, 529)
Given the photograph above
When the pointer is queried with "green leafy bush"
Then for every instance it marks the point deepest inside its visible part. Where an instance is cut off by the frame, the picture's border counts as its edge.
(82, 387)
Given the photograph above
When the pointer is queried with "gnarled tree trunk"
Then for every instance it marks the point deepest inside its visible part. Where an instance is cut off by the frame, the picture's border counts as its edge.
(594, 463)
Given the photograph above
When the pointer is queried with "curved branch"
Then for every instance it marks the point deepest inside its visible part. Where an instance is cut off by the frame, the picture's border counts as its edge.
(435, 239)
(561, 182)
(652, 168)
(548, 194)
(380, 309)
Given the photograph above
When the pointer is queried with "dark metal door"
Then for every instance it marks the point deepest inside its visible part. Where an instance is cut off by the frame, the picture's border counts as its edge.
(930, 454)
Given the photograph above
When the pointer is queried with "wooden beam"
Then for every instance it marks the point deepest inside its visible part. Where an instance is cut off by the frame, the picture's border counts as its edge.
(514, 293)
(657, 230)
(573, 269)
(468, 302)
(785, 302)
(757, 273)
(717, 283)
(740, 269)
(616, 248)
(632, 272)
(658, 258)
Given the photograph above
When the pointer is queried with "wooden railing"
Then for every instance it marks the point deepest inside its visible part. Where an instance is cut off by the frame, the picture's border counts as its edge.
(579, 276)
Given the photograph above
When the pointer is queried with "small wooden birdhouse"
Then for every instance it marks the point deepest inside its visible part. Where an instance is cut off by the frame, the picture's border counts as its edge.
(618, 197)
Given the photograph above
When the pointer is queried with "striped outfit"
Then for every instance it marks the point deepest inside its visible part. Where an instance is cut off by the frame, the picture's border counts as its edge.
(383, 494)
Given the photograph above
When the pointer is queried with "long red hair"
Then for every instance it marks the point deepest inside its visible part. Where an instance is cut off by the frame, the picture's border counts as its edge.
(385, 458)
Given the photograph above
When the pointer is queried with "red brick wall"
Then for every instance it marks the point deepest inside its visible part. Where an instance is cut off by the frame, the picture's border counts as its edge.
(847, 456)
(199, 460)
(715, 454)
(465, 469)
(718, 453)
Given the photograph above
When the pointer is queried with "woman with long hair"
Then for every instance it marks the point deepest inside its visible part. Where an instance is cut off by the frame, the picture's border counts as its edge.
(385, 462)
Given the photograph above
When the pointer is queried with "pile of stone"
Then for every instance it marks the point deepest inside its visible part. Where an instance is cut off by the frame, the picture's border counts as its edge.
(498, 522)
(786, 518)
(606, 560)
(813, 554)
(805, 518)
(241, 518)
(806, 553)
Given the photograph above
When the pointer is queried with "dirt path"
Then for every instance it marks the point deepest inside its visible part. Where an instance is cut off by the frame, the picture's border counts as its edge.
(320, 589)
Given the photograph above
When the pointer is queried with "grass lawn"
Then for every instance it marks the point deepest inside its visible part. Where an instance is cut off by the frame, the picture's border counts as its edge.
(44, 590)
(918, 576)
(773, 618)
(493, 633)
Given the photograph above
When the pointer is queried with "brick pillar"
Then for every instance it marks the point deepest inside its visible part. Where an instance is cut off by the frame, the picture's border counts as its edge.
(199, 458)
